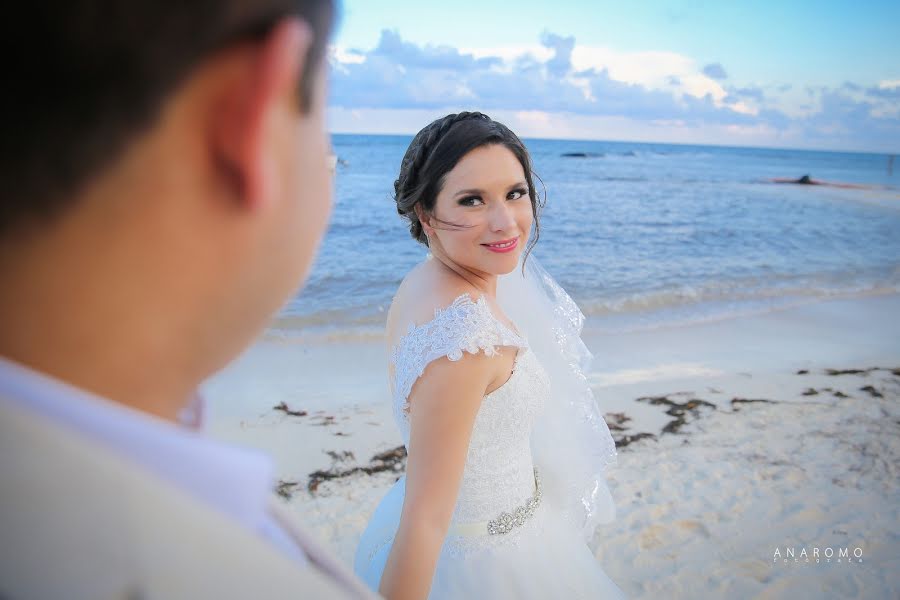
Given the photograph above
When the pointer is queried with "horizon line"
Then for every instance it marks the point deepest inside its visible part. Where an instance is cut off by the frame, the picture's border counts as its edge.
(708, 145)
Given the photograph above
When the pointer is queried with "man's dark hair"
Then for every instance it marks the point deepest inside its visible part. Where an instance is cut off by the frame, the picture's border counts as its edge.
(82, 79)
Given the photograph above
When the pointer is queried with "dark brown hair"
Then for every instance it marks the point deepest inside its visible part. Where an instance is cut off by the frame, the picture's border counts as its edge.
(91, 75)
(435, 151)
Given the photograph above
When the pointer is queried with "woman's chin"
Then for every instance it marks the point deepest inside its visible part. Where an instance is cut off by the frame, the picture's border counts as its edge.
(507, 269)
(490, 263)
(503, 265)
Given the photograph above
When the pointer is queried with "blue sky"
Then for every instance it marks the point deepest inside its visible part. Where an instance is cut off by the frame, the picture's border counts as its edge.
(787, 74)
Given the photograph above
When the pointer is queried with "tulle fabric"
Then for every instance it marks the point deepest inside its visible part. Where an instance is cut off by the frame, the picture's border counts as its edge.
(571, 442)
(546, 559)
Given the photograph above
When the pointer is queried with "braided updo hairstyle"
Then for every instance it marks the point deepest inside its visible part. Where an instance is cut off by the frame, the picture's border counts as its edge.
(435, 151)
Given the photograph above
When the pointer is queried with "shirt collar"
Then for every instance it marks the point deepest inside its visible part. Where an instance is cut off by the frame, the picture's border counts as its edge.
(235, 480)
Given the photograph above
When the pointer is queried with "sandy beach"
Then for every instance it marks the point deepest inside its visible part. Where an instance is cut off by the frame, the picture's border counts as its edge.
(753, 451)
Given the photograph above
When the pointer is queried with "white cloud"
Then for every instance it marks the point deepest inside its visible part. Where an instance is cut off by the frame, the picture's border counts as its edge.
(561, 89)
(510, 53)
(653, 70)
(346, 56)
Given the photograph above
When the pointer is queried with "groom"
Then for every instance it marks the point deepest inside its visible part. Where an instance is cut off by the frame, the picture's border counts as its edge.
(164, 188)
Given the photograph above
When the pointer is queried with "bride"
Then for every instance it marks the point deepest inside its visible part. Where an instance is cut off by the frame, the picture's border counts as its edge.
(504, 485)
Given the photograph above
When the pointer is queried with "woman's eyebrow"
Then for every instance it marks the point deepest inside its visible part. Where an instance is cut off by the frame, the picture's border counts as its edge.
(468, 192)
(478, 192)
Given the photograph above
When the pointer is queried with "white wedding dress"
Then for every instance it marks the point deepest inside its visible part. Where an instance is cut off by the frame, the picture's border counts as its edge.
(504, 540)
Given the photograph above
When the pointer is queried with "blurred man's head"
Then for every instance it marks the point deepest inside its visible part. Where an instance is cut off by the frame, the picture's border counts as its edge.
(94, 76)
(165, 184)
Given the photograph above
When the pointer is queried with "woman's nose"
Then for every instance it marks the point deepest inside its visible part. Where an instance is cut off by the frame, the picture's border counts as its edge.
(501, 217)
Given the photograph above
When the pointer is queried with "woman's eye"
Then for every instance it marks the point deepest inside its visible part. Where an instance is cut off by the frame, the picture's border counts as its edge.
(516, 194)
(471, 201)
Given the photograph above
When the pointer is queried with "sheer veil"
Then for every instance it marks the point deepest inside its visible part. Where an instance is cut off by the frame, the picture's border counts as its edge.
(571, 443)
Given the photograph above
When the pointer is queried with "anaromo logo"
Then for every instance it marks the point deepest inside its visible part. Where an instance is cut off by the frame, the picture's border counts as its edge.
(817, 555)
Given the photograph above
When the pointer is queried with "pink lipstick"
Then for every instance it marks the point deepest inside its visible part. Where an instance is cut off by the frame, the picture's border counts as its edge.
(503, 246)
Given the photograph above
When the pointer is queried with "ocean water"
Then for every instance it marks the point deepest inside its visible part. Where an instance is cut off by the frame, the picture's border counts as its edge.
(640, 235)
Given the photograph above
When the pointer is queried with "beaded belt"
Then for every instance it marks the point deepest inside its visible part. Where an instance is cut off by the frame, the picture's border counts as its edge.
(505, 522)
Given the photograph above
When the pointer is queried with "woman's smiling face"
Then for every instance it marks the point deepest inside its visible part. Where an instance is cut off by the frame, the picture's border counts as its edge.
(482, 216)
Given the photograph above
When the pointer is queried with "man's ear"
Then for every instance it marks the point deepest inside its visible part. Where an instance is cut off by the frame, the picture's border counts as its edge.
(264, 84)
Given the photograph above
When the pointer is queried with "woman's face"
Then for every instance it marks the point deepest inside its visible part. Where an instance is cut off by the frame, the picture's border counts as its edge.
(487, 194)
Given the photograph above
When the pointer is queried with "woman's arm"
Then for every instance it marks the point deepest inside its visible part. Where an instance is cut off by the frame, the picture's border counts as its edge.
(443, 405)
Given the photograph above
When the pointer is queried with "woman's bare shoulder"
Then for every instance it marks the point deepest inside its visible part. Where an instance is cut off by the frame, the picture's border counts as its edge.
(424, 290)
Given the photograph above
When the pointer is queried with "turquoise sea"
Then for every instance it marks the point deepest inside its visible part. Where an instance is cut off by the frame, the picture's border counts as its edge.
(641, 235)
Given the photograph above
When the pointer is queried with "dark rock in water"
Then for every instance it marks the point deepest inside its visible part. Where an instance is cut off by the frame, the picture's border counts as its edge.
(581, 155)
(807, 180)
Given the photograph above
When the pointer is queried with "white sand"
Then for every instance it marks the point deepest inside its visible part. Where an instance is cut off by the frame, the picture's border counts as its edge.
(701, 511)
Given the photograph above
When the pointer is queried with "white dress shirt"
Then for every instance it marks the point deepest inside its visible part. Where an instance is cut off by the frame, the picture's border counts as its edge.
(236, 481)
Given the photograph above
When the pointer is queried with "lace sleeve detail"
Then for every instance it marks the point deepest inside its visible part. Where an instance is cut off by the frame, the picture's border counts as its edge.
(464, 326)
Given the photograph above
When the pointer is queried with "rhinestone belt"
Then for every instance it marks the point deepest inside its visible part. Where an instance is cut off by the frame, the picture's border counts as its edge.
(505, 522)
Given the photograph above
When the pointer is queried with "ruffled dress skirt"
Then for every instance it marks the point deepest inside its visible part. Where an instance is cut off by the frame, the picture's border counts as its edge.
(545, 558)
